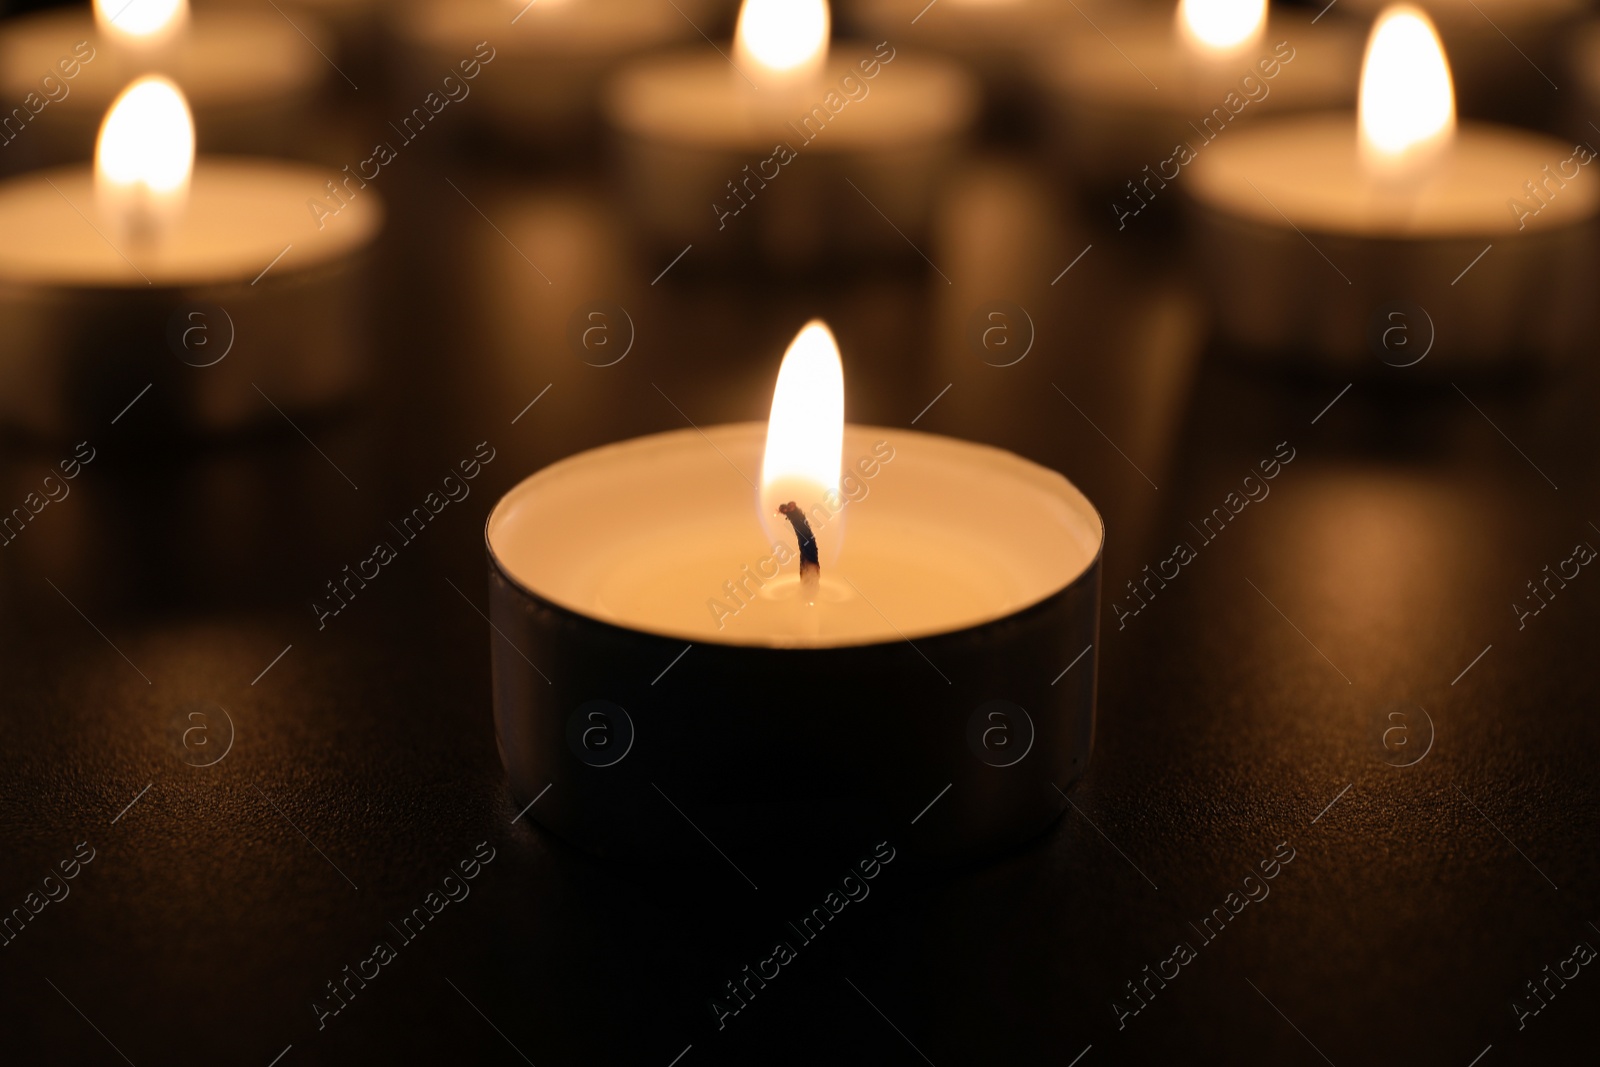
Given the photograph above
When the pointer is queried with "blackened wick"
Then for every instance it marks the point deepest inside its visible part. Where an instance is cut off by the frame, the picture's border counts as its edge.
(810, 567)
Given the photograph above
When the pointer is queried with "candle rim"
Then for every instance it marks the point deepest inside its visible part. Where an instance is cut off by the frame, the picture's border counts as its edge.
(357, 227)
(1088, 573)
(1210, 186)
(945, 102)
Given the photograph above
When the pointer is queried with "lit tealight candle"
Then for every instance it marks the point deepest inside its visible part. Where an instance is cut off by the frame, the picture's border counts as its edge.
(99, 267)
(1396, 204)
(965, 575)
(249, 76)
(1142, 95)
(757, 155)
(551, 58)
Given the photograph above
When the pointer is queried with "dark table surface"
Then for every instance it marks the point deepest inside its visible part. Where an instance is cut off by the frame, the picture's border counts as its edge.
(1246, 713)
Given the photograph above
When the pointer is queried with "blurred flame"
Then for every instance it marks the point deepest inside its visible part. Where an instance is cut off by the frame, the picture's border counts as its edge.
(805, 433)
(141, 22)
(1408, 105)
(786, 40)
(1212, 26)
(144, 157)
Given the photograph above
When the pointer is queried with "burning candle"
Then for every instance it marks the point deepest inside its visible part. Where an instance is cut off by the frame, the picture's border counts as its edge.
(823, 576)
(114, 278)
(1483, 227)
(784, 43)
(794, 147)
(552, 57)
(143, 161)
(1506, 51)
(1133, 99)
(1218, 29)
(249, 76)
(141, 28)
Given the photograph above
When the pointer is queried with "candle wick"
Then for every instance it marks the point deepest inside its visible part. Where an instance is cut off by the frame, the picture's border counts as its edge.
(810, 566)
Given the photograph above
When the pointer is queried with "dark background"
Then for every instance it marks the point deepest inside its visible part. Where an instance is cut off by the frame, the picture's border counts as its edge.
(1248, 697)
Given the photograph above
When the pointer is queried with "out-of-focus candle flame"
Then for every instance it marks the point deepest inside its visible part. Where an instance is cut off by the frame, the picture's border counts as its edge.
(805, 434)
(782, 42)
(533, 8)
(144, 157)
(141, 23)
(1408, 104)
(1221, 27)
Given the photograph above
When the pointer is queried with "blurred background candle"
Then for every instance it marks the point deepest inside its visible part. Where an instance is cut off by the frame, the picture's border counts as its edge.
(113, 278)
(551, 56)
(1307, 228)
(1136, 90)
(793, 150)
(249, 76)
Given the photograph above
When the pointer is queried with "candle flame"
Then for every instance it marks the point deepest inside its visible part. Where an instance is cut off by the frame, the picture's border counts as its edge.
(144, 158)
(786, 40)
(143, 23)
(1408, 105)
(1221, 26)
(805, 433)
